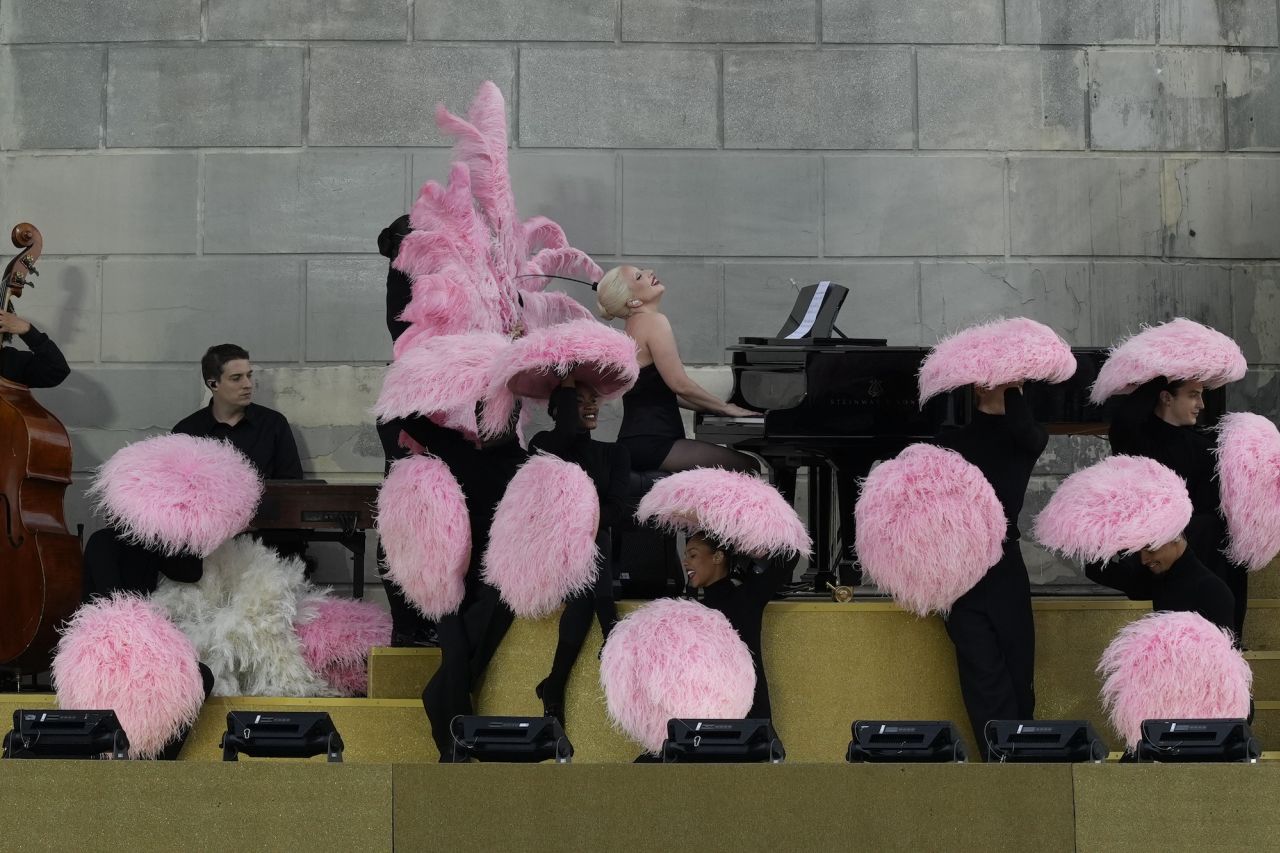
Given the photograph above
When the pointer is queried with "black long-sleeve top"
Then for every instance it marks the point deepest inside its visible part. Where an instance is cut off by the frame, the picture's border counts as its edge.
(262, 434)
(608, 464)
(1187, 586)
(1005, 448)
(399, 288)
(743, 603)
(41, 366)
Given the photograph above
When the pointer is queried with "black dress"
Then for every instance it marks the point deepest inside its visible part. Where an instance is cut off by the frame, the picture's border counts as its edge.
(651, 422)
(991, 625)
(1187, 586)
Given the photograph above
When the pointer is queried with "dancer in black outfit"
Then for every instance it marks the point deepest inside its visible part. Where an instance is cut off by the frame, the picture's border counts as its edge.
(1158, 421)
(991, 625)
(576, 410)
(1173, 578)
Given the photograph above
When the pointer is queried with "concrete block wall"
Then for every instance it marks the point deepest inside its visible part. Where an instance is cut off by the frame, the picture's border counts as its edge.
(209, 170)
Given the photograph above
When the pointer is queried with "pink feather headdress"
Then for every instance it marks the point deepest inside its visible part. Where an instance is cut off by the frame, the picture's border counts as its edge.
(929, 526)
(1172, 665)
(674, 658)
(177, 493)
(1249, 479)
(542, 545)
(1179, 350)
(740, 511)
(1117, 506)
(996, 353)
(442, 377)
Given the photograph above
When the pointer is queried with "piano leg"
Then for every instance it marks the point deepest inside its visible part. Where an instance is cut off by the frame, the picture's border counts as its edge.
(355, 542)
(820, 524)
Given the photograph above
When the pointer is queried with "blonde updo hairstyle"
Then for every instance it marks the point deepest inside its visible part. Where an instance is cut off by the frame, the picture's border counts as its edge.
(612, 295)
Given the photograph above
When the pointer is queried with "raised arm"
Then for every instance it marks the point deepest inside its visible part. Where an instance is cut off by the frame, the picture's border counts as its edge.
(654, 333)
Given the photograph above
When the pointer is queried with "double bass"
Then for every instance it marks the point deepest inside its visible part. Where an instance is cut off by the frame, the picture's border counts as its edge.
(40, 561)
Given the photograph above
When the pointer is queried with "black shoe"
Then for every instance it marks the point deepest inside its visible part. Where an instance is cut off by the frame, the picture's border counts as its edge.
(552, 699)
(420, 638)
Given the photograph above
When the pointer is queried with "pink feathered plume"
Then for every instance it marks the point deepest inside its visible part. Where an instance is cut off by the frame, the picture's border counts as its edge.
(426, 534)
(742, 512)
(1249, 479)
(674, 658)
(542, 545)
(929, 526)
(533, 366)
(547, 308)
(123, 654)
(441, 377)
(1172, 666)
(1180, 349)
(996, 353)
(1117, 506)
(336, 636)
(177, 493)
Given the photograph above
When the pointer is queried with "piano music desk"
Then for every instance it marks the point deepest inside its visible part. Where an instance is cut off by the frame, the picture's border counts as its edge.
(322, 512)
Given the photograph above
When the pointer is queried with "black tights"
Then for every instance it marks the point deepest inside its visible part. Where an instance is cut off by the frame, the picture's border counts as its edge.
(687, 453)
(575, 624)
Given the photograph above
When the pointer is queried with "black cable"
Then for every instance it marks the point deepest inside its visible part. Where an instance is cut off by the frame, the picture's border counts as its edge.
(590, 284)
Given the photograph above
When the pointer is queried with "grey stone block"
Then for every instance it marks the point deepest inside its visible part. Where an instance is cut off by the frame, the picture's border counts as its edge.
(695, 302)
(1253, 101)
(1001, 99)
(1085, 206)
(301, 202)
(174, 309)
(328, 408)
(717, 21)
(205, 96)
(1222, 207)
(87, 20)
(127, 399)
(387, 94)
(1066, 454)
(827, 99)
(1236, 22)
(920, 21)
(1126, 295)
(909, 205)
(1255, 295)
(1080, 22)
(255, 20)
(499, 20)
(1144, 100)
(52, 98)
(618, 98)
(66, 305)
(1258, 392)
(346, 310)
(98, 204)
(883, 300)
(720, 204)
(958, 294)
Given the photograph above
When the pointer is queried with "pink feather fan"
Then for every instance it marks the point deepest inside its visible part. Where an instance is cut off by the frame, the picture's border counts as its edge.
(674, 658)
(929, 526)
(426, 534)
(177, 493)
(741, 511)
(996, 353)
(534, 366)
(1249, 479)
(1172, 665)
(442, 377)
(1117, 506)
(542, 545)
(336, 636)
(123, 654)
(1180, 349)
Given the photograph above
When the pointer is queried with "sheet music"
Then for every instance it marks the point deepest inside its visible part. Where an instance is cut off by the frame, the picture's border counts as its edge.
(811, 313)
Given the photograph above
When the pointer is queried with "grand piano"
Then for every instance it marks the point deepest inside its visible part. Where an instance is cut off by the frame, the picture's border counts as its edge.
(836, 405)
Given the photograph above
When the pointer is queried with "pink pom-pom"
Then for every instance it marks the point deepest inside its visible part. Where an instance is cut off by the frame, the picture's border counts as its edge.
(1117, 506)
(177, 493)
(674, 658)
(441, 377)
(426, 534)
(1172, 666)
(542, 545)
(1249, 479)
(336, 635)
(741, 511)
(996, 353)
(535, 365)
(1179, 350)
(123, 654)
(929, 526)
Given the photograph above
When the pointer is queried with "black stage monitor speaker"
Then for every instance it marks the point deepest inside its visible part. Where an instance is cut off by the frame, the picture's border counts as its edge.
(914, 741)
(1198, 740)
(721, 741)
(512, 739)
(1046, 741)
(66, 734)
(266, 734)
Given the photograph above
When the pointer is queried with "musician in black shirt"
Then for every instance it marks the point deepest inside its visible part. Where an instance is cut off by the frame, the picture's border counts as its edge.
(41, 365)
